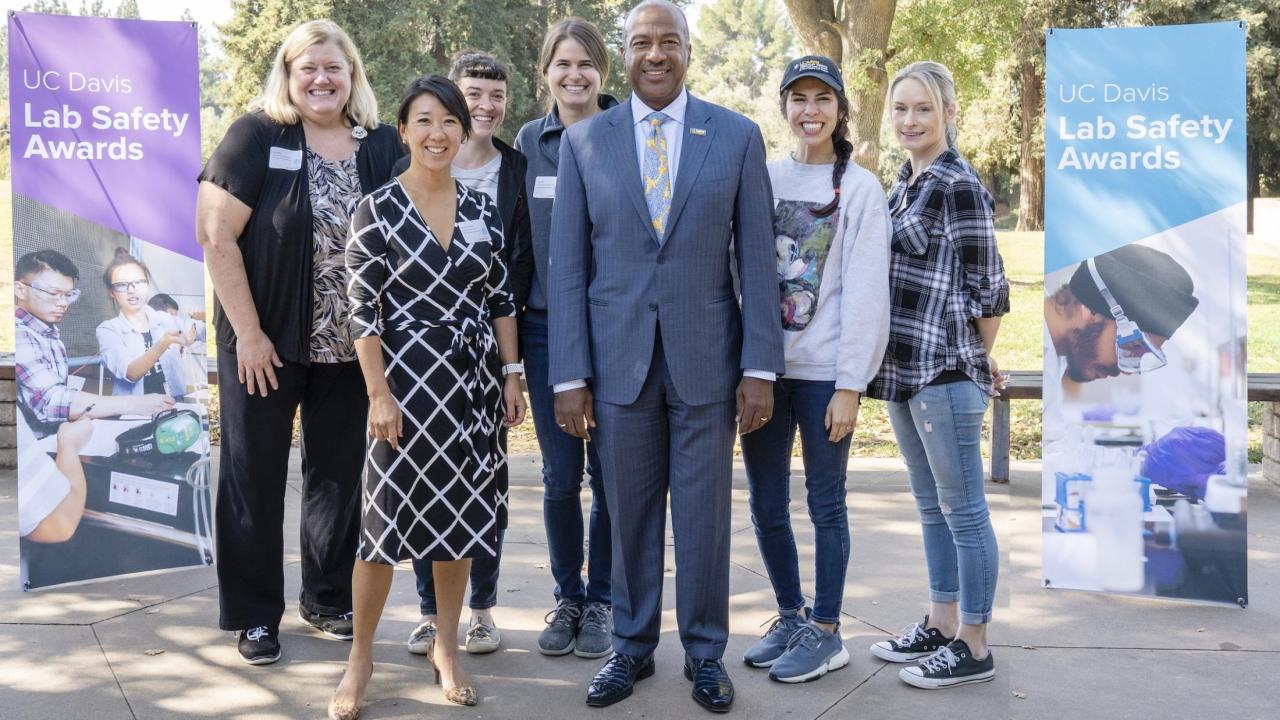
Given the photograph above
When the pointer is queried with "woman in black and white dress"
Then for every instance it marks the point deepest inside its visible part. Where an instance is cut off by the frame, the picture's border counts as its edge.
(431, 304)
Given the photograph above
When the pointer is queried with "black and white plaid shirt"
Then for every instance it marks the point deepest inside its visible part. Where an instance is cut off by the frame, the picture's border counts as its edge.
(944, 272)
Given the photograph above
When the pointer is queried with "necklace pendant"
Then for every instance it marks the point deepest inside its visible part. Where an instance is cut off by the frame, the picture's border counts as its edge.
(358, 132)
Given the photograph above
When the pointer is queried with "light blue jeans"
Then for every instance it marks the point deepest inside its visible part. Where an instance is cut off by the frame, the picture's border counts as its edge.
(939, 432)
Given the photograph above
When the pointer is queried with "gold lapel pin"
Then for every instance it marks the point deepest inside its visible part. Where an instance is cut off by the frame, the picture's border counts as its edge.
(697, 131)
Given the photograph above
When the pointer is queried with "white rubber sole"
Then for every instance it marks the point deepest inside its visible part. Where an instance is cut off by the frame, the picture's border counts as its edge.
(836, 662)
(767, 664)
(882, 651)
(926, 684)
(590, 655)
(260, 661)
(326, 633)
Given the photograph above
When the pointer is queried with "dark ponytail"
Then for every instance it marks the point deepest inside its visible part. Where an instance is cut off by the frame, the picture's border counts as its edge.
(843, 148)
(844, 151)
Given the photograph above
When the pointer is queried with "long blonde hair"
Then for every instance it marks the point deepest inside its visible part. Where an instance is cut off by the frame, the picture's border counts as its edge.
(937, 81)
(362, 106)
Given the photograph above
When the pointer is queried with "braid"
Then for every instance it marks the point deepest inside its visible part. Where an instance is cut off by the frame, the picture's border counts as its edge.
(844, 151)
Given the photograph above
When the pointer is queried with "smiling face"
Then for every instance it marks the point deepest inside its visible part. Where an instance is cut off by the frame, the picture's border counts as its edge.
(918, 123)
(572, 77)
(432, 134)
(812, 112)
(320, 82)
(129, 287)
(656, 54)
(487, 103)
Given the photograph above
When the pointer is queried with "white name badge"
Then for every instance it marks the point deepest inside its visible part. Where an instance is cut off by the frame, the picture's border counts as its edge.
(285, 159)
(474, 231)
(545, 187)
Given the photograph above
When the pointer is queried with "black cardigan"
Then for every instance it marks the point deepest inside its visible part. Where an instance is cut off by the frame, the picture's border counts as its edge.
(513, 209)
(263, 164)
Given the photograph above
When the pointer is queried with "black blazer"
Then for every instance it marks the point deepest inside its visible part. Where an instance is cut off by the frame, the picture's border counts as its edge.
(263, 164)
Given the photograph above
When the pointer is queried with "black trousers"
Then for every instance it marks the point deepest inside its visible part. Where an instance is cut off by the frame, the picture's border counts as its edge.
(254, 463)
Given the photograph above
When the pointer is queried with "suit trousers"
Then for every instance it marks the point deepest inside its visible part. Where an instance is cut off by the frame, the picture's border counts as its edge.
(660, 443)
(253, 466)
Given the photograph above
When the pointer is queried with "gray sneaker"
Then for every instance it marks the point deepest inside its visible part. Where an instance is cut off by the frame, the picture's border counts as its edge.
(770, 647)
(595, 631)
(811, 654)
(562, 624)
(422, 638)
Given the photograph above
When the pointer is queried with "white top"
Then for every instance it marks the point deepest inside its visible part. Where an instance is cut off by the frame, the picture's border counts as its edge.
(120, 343)
(41, 485)
(483, 179)
(671, 130)
(833, 271)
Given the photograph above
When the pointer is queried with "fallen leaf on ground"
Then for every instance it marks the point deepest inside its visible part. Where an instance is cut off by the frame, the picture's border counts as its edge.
(153, 652)
(1020, 695)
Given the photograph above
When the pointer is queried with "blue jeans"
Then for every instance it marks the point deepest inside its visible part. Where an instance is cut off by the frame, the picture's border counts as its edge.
(562, 466)
(939, 432)
(484, 581)
(800, 404)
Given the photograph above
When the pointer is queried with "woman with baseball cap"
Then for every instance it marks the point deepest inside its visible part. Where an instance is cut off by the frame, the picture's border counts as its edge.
(831, 224)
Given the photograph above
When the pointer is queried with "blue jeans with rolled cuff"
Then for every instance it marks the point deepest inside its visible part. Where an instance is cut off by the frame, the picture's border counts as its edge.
(800, 405)
(939, 433)
(484, 581)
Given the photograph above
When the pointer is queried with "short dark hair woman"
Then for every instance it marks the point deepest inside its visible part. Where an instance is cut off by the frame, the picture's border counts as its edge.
(431, 304)
(272, 215)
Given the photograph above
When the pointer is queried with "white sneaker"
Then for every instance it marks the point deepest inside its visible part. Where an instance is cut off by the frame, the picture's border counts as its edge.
(422, 638)
(482, 638)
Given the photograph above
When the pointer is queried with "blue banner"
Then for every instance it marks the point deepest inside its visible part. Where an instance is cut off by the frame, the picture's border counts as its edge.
(1145, 424)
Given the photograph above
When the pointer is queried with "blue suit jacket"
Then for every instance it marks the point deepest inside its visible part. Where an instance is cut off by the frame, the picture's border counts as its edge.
(612, 286)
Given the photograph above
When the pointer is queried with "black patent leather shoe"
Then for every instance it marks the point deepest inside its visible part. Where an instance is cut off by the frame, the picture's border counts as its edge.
(617, 679)
(712, 688)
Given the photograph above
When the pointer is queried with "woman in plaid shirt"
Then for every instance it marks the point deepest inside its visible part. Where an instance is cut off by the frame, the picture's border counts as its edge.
(947, 293)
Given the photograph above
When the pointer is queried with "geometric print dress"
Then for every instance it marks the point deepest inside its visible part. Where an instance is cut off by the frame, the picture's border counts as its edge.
(442, 494)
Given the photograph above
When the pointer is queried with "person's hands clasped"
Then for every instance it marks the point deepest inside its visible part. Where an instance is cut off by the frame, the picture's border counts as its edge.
(385, 419)
(256, 361)
(754, 404)
(574, 412)
(513, 398)
(842, 414)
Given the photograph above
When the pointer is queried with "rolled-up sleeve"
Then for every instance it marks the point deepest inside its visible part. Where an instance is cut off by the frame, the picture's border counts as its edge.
(498, 294)
(367, 267)
(971, 227)
(111, 346)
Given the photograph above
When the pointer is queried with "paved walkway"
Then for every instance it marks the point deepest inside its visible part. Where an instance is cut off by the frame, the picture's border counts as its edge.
(92, 651)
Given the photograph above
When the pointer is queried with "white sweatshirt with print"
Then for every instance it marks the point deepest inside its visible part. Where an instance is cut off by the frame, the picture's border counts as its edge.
(833, 271)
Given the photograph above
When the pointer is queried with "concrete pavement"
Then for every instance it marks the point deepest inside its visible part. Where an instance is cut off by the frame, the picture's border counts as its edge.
(148, 647)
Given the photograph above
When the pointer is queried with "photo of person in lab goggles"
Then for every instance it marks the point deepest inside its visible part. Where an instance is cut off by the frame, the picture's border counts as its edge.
(1116, 314)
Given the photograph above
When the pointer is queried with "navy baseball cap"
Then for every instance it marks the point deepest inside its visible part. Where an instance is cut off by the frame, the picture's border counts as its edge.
(814, 66)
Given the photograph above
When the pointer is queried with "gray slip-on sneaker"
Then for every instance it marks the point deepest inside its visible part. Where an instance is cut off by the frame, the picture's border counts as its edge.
(422, 638)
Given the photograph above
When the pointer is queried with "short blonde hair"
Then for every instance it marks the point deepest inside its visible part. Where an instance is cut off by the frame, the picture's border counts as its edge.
(937, 81)
(362, 105)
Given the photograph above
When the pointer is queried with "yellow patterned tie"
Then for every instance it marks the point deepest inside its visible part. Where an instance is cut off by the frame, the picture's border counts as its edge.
(657, 174)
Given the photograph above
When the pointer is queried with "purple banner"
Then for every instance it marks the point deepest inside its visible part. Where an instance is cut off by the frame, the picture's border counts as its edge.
(110, 365)
(105, 119)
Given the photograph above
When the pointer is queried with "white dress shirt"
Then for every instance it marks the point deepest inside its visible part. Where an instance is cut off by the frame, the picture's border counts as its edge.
(673, 131)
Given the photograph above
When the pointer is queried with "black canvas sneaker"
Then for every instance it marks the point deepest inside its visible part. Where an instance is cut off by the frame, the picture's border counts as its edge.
(952, 665)
(260, 645)
(915, 642)
(337, 627)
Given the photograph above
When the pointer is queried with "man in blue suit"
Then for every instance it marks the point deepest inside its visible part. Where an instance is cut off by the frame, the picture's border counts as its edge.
(657, 201)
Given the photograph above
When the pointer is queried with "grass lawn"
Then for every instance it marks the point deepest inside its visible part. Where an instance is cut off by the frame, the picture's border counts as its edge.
(1018, 348)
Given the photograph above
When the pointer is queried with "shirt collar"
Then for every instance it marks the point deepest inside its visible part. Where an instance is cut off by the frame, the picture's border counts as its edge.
(35, 323)
(947, 158)
(674, 111)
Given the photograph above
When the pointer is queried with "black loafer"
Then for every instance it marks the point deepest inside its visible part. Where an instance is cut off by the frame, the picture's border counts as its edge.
(712, 688)
(617, 679)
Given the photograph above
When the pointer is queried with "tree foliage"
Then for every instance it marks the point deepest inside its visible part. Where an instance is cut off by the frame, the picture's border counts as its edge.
(740, 49)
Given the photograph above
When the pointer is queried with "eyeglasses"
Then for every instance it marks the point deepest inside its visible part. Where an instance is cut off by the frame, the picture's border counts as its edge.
(129, 286)
(54, 296)
(1135, 353)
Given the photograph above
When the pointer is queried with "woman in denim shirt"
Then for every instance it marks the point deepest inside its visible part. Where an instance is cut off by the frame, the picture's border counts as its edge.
(948, 291)
(140, 347)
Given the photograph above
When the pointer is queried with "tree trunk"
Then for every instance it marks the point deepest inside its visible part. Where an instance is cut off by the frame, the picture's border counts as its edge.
(815, 23)
(1031, 164)
(857, 41)
(866, 35)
